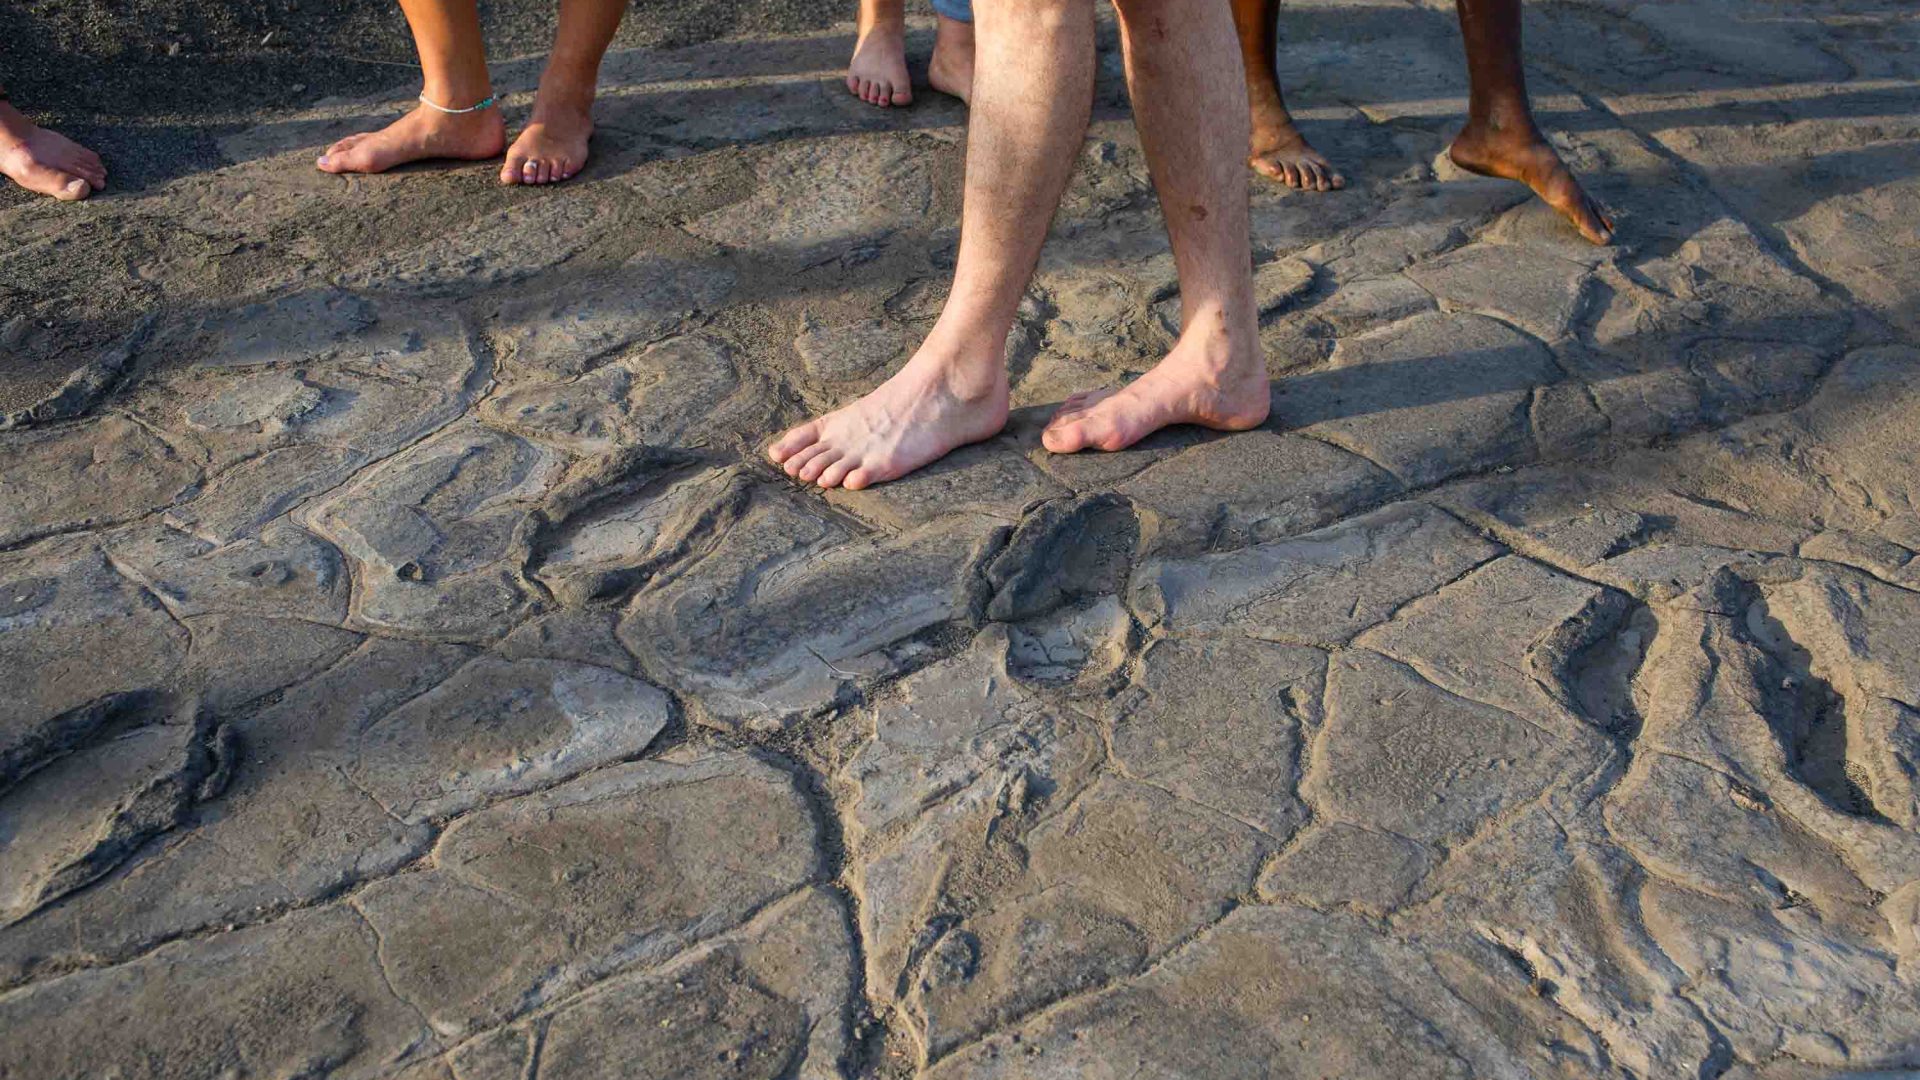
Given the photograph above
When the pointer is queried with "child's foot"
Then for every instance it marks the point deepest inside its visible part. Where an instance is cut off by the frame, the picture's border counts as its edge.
(1206, 382)
(1523, 154)
(877, 74)
(1282, 153)
(422, 135)
(45, 161)
(552, 148)
(950, 70)
(934, 405)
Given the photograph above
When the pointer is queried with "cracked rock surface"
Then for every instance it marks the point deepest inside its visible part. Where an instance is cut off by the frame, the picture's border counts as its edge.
(411, 668)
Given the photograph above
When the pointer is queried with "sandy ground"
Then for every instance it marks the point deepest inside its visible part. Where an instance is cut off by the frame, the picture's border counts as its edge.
(410, 666)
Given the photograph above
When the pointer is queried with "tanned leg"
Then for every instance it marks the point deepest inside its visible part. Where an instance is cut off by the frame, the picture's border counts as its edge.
(1278, 149)
(1188, 103)
(554, 145)
(45, 161)
(1030, 110)
(877, 74)
(1501, 138)
(454, 63)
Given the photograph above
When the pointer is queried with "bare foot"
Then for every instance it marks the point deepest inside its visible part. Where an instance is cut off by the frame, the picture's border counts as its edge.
(552, 148)
(1525, 155)
(422, 135)
(1198, 383)
(1282, 153)
(45, 161)
(950, 70)
(934, 405)
(877, 74)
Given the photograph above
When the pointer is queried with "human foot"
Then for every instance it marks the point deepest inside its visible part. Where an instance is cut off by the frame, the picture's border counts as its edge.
(45, 161)
(1522, 153)
(1198, 383)
(950, 70)
(931, 407)
(421, 135)
(552, 148)
(877, 74)
(1282, 153)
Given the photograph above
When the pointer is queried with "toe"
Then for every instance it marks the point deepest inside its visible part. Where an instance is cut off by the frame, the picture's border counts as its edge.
(47, 180)
(817, 464)
(834, 474)
(512, 169)
(1336, 180)
(902, 95)
(1064, 438)
(1264, 167)
(1587, 218)
(853, 84)
(332, 159)
(857, 479)
(799, 461)
(793, 442)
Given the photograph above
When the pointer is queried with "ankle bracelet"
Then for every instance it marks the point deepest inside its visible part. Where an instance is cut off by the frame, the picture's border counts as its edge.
(486, 102)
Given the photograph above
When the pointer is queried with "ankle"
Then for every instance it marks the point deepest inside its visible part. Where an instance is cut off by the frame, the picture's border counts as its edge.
(565, 95)
(971, 371)
(1220, 346)
(1502, 121)
(887, 16)
(14, 125)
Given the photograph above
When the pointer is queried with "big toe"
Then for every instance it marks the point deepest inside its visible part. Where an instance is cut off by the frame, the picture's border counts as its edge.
(1577, 207)
(793, 442)
(1072, 435)
(333, 158)
(1593, 223)
(47, 180)
(362, 157)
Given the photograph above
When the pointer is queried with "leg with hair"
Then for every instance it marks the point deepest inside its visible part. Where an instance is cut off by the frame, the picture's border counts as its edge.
(45, 161)
(877, 74)
(1189, 104)
(453, 61)
(554, 145)
(1030, 112)
(1278, 148)
(1501, 138)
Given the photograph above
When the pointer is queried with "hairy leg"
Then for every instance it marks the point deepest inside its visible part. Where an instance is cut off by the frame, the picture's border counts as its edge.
(453, 62)
(1030, 113)
(1501, 138)
(45, 161)
(1278, 149)
(554, 145)
(1188, 104)
(950, 70)
(877, 74)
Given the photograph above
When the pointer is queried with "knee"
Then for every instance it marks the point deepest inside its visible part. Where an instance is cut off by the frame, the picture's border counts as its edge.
(1034, 16)
(1132, 11)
